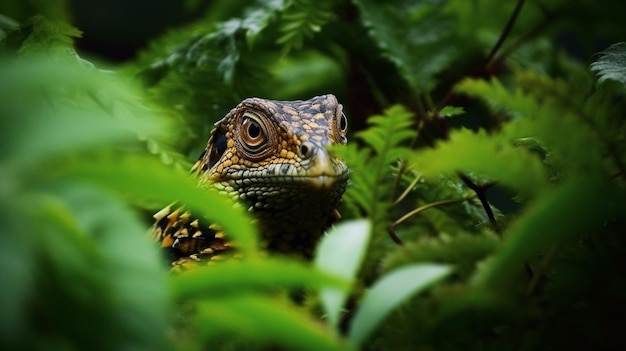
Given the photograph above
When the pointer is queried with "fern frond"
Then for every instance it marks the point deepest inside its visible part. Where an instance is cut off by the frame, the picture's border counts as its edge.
(544, 108)
(372, 171)
(612, 64)
(398, 28)
(486, 155)
(302, 19)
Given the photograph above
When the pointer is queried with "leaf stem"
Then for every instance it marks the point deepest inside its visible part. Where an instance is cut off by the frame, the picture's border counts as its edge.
(407, 190)
(427, 206)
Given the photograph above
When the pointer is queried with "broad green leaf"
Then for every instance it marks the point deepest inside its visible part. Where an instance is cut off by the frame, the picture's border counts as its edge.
(264, 320)
(245, 276)
(388, 293)
(52, 105)
(612, 64)
(145, 178)
(340, 253)
(97, 271)
(17, 270)
(560, 215)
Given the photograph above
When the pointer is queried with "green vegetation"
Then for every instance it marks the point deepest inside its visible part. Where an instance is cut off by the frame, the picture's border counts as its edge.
(486, 207)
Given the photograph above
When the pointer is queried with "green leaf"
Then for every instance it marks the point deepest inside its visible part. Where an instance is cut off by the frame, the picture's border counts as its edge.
(265, 320)
(486, 155)
(340, 253)
(54, 105)
(127, 174)
(450, 111)
(612, 64)
(559, 216)
(388, 293)
(246, 275)
(40, 34)
(96, 271)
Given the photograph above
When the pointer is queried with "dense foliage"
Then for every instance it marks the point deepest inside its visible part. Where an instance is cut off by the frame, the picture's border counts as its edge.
(486, 206)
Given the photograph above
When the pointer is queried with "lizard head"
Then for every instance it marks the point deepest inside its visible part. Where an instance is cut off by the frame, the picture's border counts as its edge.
(272, 155)
(267, 141)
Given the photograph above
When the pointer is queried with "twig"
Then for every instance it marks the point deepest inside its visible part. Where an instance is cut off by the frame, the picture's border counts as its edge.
(407, 190)
(504, 34)
(392, 228)
(427, 206)
(481, 192)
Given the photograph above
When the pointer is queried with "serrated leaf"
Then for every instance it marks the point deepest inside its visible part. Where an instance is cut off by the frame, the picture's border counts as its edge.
(612, 64)
(246, 276)
(340, 253)
(399, 29)
(450, 111)
(485, 155)
(264, 320)
(388, 293)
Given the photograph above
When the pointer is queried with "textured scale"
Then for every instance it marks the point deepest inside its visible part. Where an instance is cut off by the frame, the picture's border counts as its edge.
(272, 156)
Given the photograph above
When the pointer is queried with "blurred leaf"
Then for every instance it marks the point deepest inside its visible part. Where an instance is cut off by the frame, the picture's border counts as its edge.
(56, 105)
(266, 320)
(340, 253)
(612, 64)
(17, 271)
(559, 216)
(462, 250)
(127, 175)
(38, 33)
(450, 111)
(245, 276)
(485, 155)
(389, 292)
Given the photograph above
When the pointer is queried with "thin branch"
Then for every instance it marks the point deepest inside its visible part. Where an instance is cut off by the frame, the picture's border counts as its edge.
(549, 17)
(504, 34)
(427, 206)
(537, 275)
(481, 192)
(490, 57)
(407, 190)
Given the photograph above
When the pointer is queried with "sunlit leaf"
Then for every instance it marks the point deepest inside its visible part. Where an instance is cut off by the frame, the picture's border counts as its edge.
(388, 293)
(127, 175)
(245, 276)
(266, 320)
(340, 253)
(488, 156)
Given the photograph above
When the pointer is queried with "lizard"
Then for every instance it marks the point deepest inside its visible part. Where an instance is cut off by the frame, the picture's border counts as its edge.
(272, 155)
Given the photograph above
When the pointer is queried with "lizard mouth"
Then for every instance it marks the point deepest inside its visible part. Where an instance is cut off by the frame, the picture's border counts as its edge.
(324, 181)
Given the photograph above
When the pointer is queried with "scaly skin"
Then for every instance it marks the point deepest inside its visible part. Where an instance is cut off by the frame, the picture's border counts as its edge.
(272, 156)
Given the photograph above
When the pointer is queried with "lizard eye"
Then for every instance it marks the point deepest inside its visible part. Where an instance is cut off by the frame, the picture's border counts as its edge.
(343, 123)
(255, 137)
(252, 134)
(342, 126)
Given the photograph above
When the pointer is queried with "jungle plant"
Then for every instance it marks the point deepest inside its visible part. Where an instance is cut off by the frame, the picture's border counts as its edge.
(485, 208)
